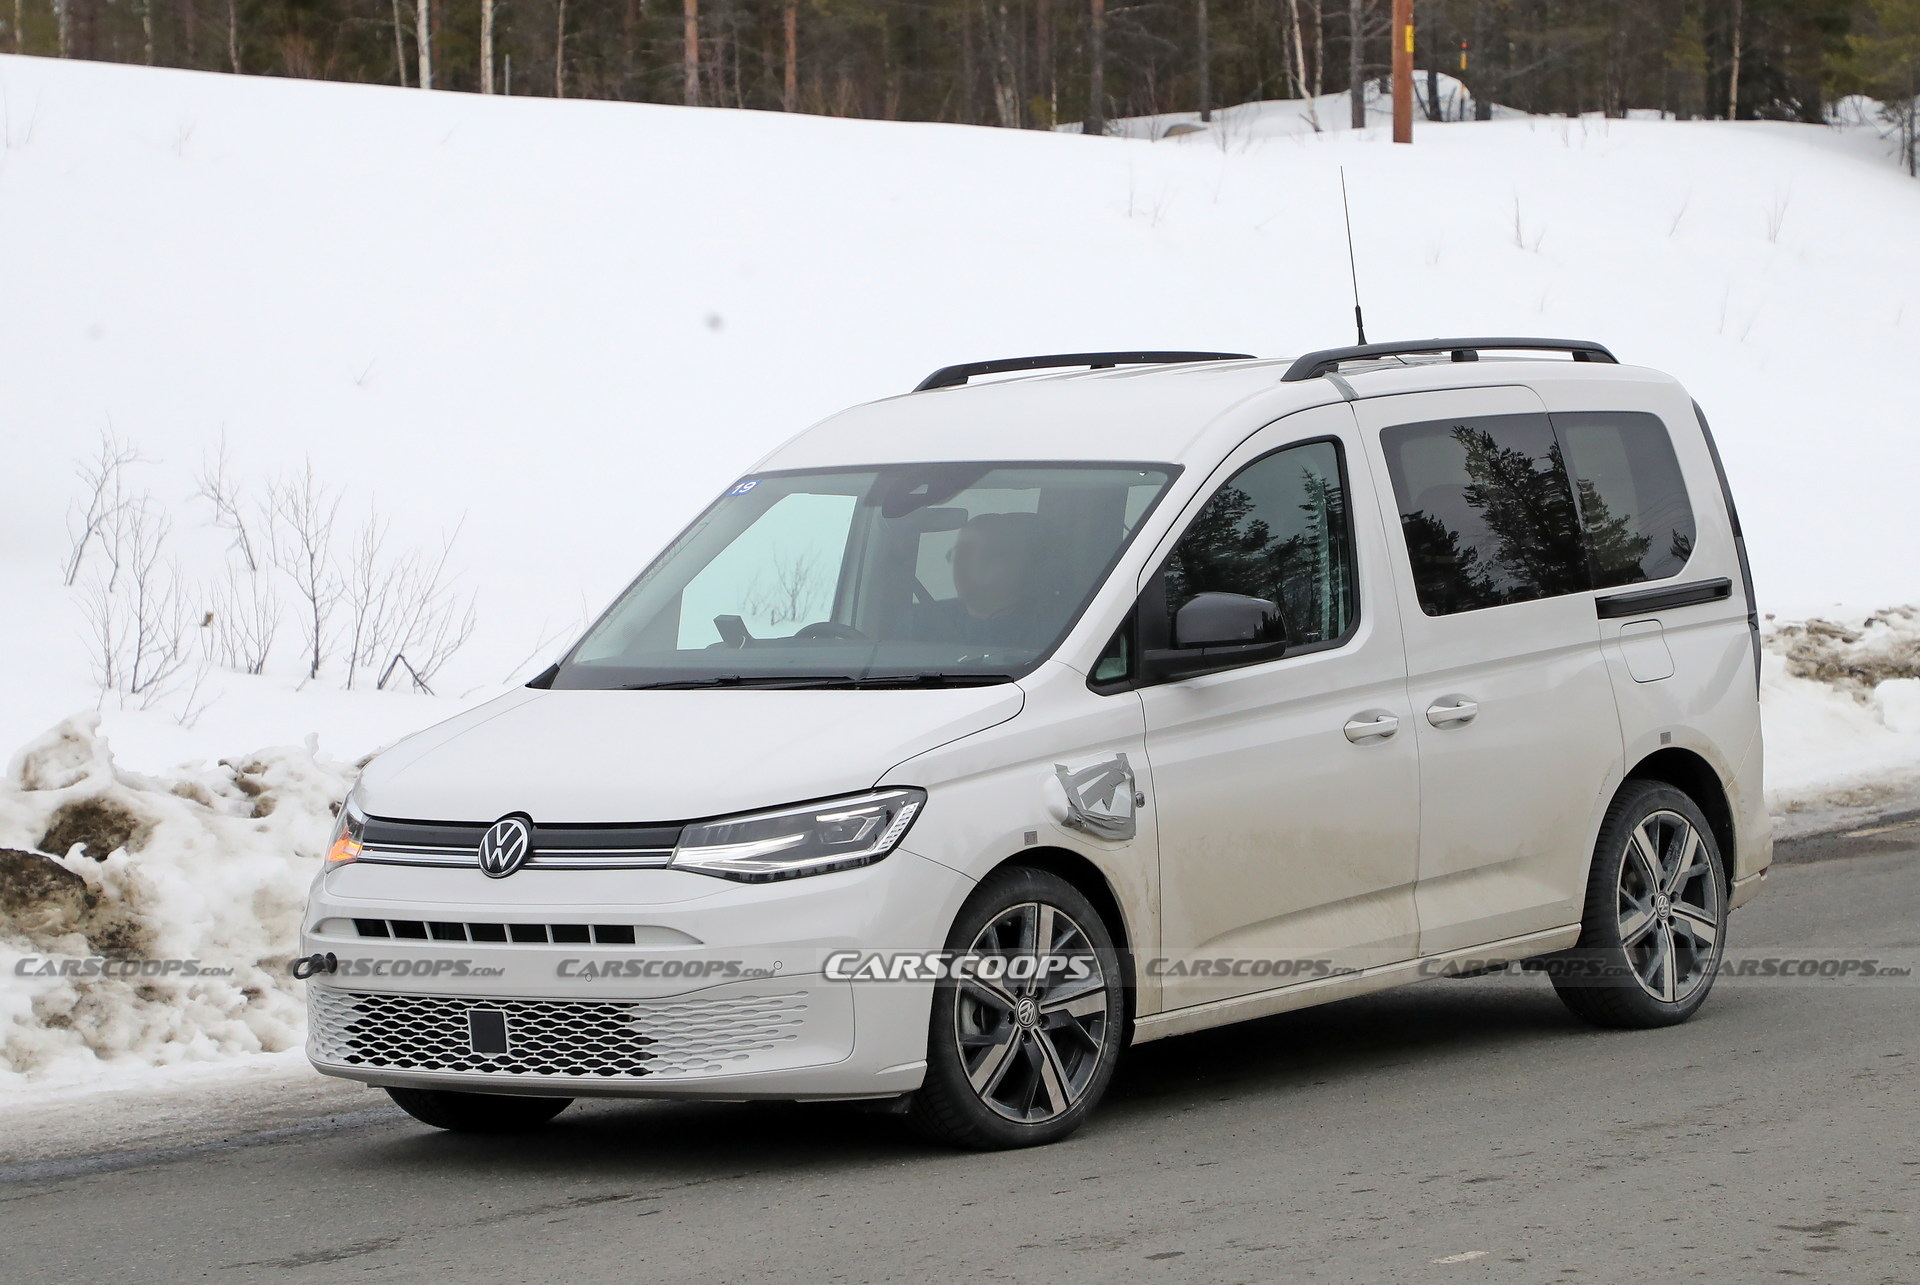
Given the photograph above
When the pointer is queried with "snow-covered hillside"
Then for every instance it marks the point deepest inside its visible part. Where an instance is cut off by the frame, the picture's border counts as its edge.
(558, 328)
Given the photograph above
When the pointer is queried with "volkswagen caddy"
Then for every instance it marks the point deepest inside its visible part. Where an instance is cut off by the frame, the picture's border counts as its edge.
(979, 733)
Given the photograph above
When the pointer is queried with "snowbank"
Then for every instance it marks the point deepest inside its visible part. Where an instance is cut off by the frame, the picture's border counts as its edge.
(1840, 698)
(203, 873)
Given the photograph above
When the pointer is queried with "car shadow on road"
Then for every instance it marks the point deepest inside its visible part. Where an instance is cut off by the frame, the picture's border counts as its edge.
(1158, 1087)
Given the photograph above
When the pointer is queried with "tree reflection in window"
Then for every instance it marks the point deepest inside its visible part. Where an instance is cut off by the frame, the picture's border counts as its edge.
(1278, 530)
(1487, 511)
(1639, 520)
(1492, 514)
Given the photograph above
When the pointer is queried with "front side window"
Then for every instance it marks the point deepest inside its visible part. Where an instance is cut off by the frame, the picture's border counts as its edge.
(1279, 530)
(1633, 502)
(924, 573)
(1487, 511)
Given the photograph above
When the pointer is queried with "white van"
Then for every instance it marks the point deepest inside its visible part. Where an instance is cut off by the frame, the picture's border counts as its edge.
(978, 733)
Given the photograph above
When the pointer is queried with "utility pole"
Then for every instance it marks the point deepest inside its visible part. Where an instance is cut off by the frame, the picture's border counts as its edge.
(1403, 71)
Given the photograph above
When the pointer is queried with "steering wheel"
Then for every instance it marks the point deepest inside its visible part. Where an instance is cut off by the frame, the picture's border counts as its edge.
(830, 629)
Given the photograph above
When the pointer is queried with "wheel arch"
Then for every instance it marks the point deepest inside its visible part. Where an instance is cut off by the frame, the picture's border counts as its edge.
(1092, 883)
(1696, 778)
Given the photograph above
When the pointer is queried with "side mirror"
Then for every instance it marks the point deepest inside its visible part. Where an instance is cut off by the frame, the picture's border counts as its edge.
(1227, 620)
(1214, 631)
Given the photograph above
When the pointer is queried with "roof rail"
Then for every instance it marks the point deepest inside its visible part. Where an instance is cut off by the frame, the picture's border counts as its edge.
(1328, 360)
(954, 376)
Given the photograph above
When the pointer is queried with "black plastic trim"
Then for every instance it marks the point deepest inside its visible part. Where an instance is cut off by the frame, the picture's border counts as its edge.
(1327, 360)
(1691, 594)
(954, 376)
(1739, 543)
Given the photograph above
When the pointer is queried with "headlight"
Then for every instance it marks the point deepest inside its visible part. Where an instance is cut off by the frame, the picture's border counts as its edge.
(347, 835)
(812, 840)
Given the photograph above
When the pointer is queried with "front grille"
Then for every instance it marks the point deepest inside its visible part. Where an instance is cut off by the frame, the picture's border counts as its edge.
(538, 934)
(587, 1039)
(553, 847)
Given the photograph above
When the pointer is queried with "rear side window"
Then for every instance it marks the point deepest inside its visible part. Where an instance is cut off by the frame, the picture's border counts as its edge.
(1633, 503)
(1278, 530)
(1487, 510)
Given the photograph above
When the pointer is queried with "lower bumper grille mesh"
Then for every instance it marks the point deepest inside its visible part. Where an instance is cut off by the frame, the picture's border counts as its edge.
(588, 1039)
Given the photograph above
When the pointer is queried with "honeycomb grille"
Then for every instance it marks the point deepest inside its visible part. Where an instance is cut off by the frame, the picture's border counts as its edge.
(586, 1039)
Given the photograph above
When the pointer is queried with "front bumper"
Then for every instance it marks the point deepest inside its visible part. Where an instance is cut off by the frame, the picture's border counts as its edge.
(719, 996)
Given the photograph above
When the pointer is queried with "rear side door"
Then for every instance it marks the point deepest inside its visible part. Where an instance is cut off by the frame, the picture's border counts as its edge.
(1513, 709)
(1286, 792)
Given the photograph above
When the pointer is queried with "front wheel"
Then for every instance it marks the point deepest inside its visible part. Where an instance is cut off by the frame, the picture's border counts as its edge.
(1656, 914)
(1021, 1049)
(477, 1112)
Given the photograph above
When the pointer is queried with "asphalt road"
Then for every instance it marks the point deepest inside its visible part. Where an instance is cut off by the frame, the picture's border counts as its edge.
(1450, 1131)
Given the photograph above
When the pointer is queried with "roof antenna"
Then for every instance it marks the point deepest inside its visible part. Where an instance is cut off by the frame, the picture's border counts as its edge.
(1359, 322)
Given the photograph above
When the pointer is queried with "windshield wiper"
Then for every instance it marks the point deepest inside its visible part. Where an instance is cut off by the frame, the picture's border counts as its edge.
(914, 680)
(819, 682)
(735, 680)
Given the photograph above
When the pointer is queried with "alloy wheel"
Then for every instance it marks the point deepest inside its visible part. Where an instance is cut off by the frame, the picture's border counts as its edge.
(1032, 1030)
(1669, 904)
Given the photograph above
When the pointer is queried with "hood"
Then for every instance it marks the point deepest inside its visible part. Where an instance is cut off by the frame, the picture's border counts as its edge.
(599, 756)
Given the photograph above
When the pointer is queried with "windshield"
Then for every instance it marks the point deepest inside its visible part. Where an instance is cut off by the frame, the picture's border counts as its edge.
(917, 574)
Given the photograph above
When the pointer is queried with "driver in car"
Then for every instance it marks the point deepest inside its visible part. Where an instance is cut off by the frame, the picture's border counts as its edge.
(1000, 595)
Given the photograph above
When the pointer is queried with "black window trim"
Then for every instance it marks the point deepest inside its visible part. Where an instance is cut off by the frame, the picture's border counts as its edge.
(1618, 606)
(1739, 540)
(1146, 615)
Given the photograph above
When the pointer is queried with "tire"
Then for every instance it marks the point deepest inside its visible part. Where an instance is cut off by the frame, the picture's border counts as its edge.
(477, 1112)
(1655, 923)
(1041, 1051)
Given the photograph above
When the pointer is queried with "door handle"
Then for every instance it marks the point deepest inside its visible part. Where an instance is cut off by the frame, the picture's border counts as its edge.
(1457, 712)
(1378, 728)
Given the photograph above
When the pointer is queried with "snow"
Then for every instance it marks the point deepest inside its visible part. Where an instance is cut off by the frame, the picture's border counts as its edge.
(201, 875)
(1297, 118)
(558, 328)
(1840, 703)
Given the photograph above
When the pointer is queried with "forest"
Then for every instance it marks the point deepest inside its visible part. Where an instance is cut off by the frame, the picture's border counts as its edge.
(1033, 64)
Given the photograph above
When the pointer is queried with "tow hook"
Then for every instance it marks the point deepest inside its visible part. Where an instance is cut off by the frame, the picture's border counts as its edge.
(308, 965)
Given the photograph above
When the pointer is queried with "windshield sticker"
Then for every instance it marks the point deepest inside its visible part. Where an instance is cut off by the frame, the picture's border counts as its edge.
(741, 488)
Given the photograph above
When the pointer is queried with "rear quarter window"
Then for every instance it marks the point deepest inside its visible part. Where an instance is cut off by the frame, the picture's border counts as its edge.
(1633, 501)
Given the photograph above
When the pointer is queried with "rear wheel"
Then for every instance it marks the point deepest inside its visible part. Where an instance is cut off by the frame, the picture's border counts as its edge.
(1656, 914)
(1021, 1050)
(477, 1112)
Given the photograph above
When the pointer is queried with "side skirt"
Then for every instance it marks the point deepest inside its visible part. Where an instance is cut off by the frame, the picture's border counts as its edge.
(1322, 990)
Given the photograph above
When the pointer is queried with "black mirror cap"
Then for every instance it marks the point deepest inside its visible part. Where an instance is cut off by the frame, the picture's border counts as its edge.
(1216, 631)
(1227, 620)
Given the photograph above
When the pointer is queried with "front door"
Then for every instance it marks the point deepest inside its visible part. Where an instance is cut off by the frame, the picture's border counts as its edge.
(1513, 709)
(1286, 792)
